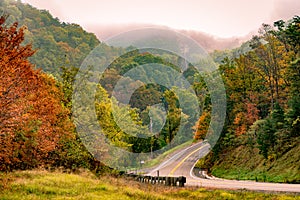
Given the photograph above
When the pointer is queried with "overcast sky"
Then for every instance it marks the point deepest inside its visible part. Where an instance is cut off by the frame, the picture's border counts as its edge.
(223, 18)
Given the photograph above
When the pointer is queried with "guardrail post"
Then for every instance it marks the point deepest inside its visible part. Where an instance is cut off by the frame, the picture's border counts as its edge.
(173, 182)
(182, 181)
(168, 181)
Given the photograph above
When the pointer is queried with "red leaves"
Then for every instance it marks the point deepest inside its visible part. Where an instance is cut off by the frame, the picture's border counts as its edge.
(248, 113)
(32, 120)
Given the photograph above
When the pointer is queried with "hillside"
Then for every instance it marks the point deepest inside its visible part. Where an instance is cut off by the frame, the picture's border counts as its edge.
(207, 41)
(58, 44)
(245, 163)
(67, 149)
(260, 139)
(61, 44)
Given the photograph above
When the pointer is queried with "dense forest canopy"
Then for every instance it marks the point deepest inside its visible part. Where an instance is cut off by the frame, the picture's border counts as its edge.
(58, 43)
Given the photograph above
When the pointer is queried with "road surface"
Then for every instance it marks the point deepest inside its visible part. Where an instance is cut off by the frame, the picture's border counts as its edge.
(183, 162)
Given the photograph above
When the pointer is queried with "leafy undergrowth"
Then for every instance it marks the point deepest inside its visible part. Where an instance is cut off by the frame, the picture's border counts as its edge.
(247, 164)
(39, 184)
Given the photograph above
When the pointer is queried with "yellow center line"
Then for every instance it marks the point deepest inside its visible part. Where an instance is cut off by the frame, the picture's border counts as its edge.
(182, 161)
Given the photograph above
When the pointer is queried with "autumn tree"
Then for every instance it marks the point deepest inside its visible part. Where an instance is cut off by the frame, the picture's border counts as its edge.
(33, 122)
(201, 127)
(271, 60)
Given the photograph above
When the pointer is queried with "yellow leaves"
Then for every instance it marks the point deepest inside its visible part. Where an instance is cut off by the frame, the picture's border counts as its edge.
(239, 123)
(201, 126)
(238, 119)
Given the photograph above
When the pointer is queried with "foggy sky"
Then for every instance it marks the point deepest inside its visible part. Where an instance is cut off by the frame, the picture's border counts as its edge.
(223, 18)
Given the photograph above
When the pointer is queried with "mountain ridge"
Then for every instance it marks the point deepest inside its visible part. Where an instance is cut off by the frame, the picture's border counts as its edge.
(207, 41)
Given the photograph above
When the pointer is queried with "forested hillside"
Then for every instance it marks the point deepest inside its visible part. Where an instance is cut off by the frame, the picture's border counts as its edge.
(262, 131)
(35, 111)
(207, 41)
(57, 44)
(54, 127)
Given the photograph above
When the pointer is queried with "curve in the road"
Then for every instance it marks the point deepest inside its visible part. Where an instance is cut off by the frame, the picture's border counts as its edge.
(183, 162)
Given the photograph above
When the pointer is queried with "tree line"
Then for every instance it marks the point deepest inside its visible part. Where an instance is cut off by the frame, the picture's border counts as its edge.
(262, 86)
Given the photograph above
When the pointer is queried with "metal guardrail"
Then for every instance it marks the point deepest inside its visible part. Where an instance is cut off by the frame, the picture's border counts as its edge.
(163, 180)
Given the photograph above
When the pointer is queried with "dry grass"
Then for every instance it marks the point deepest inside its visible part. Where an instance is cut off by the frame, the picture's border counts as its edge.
(41, 184)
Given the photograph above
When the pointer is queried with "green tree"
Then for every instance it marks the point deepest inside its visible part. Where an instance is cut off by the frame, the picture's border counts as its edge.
(266, 138)
(277, 116)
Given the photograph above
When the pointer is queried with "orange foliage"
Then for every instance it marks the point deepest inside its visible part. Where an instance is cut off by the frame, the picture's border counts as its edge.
(201, 126)
(243, 120)
(32, 119)
(252, 113)
(239, 122)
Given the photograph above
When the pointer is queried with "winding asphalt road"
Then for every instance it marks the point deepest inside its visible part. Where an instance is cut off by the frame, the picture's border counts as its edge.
(183, 162)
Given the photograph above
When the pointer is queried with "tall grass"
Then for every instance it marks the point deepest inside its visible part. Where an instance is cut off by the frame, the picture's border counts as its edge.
(39, 184)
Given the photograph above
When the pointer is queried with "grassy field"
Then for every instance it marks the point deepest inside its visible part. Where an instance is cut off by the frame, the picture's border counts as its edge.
(40, 184)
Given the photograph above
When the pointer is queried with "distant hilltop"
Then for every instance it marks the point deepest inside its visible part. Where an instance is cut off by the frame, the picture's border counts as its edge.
(207, 41)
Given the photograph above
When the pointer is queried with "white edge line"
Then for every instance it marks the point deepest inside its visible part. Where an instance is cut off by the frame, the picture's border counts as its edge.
(173, 157)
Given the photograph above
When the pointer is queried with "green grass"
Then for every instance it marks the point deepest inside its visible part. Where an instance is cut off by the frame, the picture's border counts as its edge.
(38, 184)
(247, 164)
